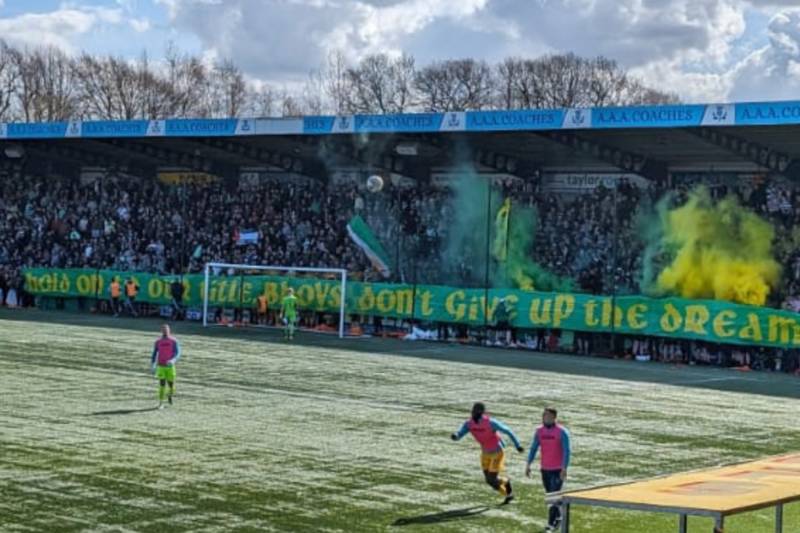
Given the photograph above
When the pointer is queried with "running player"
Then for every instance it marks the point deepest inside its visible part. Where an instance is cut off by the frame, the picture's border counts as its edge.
(485, 430)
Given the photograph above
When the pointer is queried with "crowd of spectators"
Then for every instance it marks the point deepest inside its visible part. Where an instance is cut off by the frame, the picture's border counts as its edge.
(149, 226)
(589, 237)
(125, 224)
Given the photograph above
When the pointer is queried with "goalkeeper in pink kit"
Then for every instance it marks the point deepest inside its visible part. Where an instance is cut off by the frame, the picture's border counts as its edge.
(166, 353)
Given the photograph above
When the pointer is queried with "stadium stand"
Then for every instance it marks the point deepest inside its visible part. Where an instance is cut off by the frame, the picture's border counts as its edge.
(150, 226)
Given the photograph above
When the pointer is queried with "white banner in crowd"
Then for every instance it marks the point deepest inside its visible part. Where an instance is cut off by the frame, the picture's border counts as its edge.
(247, 236)
(577, 182)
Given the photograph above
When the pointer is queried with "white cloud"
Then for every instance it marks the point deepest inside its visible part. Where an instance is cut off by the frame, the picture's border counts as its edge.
(772, 72)
(139, 25)
(635, 32)
(692, 86)
(176, 6)
(57, 28)
(284, 39)
(376, 29)
(772, 3)
(705, 50)
(688, 42)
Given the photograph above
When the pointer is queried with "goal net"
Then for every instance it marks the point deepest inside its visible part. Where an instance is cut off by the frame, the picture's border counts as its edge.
(252, 294)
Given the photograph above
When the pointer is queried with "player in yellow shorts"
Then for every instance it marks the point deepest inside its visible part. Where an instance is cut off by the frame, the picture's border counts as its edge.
(493, 462)
(493, 458)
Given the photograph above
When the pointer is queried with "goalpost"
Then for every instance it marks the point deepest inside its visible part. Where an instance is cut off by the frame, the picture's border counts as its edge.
(340, 272)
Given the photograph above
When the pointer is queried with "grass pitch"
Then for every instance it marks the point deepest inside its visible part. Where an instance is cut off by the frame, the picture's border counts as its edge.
(330, 435)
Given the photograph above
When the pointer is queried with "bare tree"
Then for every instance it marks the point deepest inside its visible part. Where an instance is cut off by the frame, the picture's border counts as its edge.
(639, 94)
(28, 89)
(126, 88)
(380, 84)
(227, 95)
(158, 95)
(455, 85)
(291, 106)
(530, 85)
(314, 94)
(435, 88)
(109, 88)
(263, 101)
(335, 82)
(96, 88)
(187, 78)
(563, 80)
(45, 84)
(403, 73)
(608, 83)
(58, 96)
(569, 81)
(9, 75)
(507, 78)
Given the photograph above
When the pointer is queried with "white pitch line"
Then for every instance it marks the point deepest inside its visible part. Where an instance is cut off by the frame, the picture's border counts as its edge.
(710, 380)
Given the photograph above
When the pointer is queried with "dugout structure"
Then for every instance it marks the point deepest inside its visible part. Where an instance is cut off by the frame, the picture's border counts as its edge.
(716, 493)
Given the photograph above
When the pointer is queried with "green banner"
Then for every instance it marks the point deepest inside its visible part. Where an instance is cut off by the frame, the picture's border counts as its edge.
(708, 320)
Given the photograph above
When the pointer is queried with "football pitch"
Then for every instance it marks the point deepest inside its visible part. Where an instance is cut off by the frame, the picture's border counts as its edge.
(345, 435)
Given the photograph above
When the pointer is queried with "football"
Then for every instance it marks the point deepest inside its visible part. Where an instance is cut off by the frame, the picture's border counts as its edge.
(374, 183)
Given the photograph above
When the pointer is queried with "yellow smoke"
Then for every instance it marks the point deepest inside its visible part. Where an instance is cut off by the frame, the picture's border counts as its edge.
(514, 267)
(500, 244)
(721, 251)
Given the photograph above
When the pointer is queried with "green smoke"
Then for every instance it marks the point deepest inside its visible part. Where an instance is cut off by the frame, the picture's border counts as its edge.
(650, 223)
(466, 241)
(519, 270)
(475, 206)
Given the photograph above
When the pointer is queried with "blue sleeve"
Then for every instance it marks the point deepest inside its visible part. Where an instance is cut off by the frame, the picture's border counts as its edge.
(177, 350)
(502, 428)
(153, 357)
(534, 447)
(566, 446)
(463, 430)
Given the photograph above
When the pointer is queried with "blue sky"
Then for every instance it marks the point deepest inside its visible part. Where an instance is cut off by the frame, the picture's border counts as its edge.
(144, 25)
(705, 50)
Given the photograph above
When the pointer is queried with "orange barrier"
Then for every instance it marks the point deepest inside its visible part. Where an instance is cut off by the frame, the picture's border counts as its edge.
(716, 492)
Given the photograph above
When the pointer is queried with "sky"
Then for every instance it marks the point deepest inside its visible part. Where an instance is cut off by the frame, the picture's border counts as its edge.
(704, 50)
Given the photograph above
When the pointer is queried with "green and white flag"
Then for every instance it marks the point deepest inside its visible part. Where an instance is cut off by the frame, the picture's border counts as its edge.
(362, 235)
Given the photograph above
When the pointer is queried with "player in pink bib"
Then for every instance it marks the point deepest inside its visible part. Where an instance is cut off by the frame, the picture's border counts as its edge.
(166, 353)
(553, 439)
(485, 430)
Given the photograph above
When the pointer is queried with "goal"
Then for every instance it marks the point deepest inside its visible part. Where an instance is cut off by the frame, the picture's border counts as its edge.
(239, 272)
